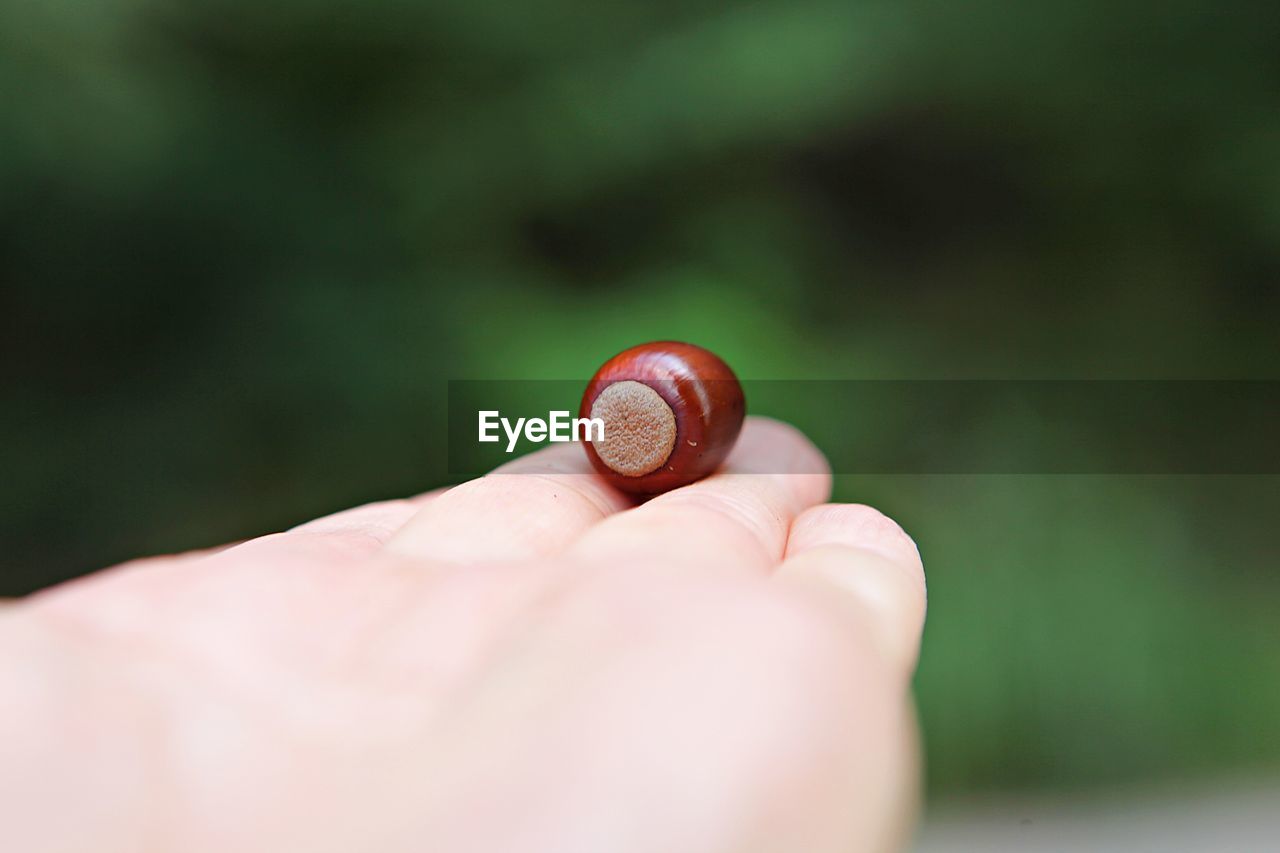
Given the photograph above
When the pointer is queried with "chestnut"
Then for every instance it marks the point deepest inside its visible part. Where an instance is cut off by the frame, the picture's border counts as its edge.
(671, 412)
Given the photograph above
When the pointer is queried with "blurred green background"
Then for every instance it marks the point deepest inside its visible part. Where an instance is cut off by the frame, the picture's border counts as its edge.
(244, 246)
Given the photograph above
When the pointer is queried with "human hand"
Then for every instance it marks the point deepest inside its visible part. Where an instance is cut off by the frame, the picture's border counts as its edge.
(526, 663)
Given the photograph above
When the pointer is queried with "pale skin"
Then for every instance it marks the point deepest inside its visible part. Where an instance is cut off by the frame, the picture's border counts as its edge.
(525, 663)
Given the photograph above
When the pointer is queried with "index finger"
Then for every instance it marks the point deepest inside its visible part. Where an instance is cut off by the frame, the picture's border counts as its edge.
(738, 516)
(530, 507)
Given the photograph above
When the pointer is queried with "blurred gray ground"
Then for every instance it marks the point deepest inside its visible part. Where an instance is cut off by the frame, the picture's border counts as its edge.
(1235, 818)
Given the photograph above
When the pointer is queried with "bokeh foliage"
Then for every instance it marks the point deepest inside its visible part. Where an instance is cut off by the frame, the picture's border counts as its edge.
(245, 244)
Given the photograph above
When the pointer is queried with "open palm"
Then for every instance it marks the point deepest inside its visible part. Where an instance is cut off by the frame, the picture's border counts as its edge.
(525, 662)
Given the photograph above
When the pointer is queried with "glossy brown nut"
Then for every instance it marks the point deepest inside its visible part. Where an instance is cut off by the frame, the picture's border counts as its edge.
(671, 411)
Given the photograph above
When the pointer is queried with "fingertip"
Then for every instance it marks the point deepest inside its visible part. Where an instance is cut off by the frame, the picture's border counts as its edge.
(774, 447)
(863, 563)
(771, 446)
(855, 526)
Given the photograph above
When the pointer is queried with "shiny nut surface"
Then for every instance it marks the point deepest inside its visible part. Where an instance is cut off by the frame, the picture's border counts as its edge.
(671, 412)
